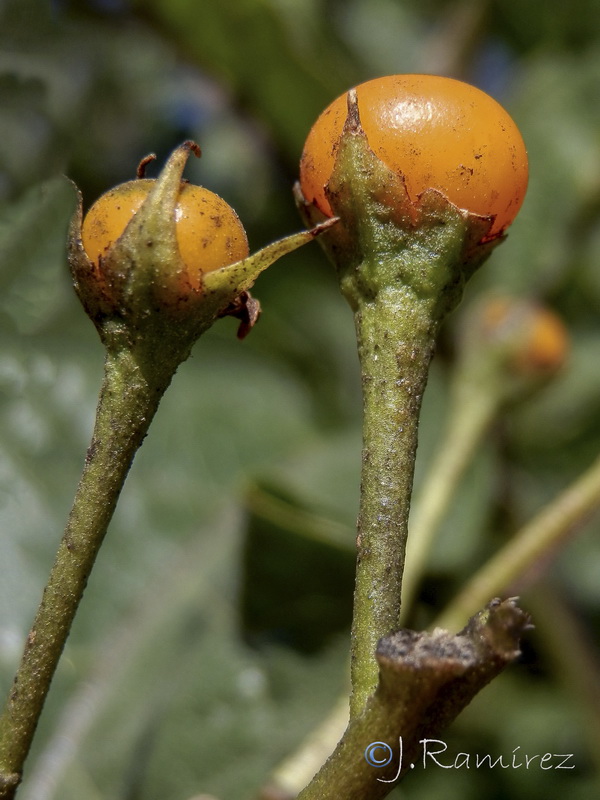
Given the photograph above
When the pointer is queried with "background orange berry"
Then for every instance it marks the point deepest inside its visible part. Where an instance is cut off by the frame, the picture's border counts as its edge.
(209, 232)
(548, 344)
(540, 338)
(438, 133)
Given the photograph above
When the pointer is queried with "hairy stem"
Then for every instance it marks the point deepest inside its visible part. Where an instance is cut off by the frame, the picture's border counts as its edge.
(128, 401)
(396, 333)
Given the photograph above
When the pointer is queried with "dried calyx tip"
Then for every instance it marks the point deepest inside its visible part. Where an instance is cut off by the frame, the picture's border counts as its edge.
(324, 226)
(352, 123)
(141, 168)
(195, 148)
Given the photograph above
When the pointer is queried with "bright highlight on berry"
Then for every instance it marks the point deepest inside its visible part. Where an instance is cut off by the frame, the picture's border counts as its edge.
(438, 133)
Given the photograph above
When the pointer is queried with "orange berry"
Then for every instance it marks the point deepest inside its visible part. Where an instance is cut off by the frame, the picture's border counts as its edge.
(437, 133)
(547, 347)
(540, 342)
(209, 232)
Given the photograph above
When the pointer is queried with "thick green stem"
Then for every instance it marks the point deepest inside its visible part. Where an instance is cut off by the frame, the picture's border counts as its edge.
(402, 266)
(396, 333)
(127, 404)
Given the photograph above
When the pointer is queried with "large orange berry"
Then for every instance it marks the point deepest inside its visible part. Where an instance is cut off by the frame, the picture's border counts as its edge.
(437, 133)
(209, 232)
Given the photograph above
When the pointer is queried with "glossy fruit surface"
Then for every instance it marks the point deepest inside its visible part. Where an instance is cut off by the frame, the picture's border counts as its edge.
(209, 232)
(438, 133)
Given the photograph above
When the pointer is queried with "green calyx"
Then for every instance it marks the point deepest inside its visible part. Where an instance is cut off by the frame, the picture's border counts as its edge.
(384, 240)
(138, 297)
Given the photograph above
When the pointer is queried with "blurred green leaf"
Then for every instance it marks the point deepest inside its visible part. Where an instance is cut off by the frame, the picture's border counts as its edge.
(298, 577)
(282, 65)
(34, 283)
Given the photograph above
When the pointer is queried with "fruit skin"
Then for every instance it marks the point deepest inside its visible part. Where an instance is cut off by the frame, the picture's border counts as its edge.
(209, 232)
(436, 133)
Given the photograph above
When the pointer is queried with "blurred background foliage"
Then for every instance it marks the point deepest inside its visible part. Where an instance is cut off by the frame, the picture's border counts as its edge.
(214, 632)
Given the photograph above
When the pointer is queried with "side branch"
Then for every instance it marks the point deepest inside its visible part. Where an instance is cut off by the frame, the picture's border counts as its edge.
(425, 681)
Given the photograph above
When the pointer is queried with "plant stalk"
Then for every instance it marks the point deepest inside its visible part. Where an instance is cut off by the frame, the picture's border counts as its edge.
(127, 404)
(526, 556)
(396, 335)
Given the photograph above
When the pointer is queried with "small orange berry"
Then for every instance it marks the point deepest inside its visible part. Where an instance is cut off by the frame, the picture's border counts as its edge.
(437, 133)
(209, 232)
(539, 339)
(547, 347)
